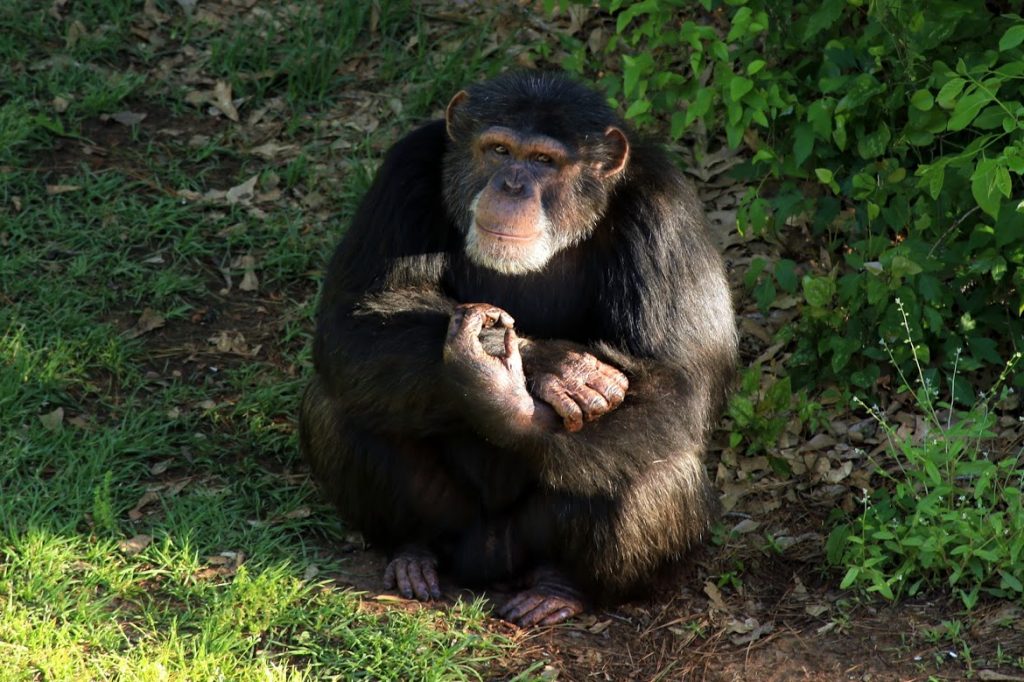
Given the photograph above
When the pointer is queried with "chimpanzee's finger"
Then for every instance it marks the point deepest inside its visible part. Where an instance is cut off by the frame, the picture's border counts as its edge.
(592, 403)
(430, 576)
(417, 579)
(611, 384)
(402, 578)
(553, 392)
(519, 605)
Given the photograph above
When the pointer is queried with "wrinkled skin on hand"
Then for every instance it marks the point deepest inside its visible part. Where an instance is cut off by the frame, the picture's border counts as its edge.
(551, 599)
(578, 387)
(495, 381)
(413, 572)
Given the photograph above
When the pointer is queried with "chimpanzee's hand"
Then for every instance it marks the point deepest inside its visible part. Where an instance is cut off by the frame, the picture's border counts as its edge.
(577, 385)
(496, 381)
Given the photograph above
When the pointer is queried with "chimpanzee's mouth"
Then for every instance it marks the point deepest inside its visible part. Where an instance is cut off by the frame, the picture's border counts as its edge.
(502, 234)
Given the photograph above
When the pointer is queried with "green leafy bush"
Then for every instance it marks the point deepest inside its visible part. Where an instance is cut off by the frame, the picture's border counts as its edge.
(759, 414)
(888, 134)
(891, 132)
(951, 514)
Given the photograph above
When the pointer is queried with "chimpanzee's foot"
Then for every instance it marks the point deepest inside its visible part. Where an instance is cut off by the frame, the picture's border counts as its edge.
(413, 570)
(549, 600)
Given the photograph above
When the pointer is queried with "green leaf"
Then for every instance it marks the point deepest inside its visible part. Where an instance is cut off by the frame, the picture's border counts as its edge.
(740, 21)
(738, 87)
(818, 291)
(734, 135)
(824, 175)
(883, 589)
(700, 105)
(839, 133)
(932, 176)
(755, 66)
(826, 15)
(638, 107)
(764, 295)
(785, 275)
(991, 117)
(754, 270)
(967, 108)
(850, 577)
(923, 100)
(930, 287)
(819, 115)
(984, 349)
(1012, 38)
(633, 71)
(860, 92)
(875, 144)
(984, 187)
(778, 396)
(803, 142)
(949, 92)
(901, 266)
(678, 125)
(1009, 580)
(1002, 181)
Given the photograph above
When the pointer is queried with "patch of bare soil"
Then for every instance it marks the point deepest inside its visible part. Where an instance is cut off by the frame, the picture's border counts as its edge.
(786, 621)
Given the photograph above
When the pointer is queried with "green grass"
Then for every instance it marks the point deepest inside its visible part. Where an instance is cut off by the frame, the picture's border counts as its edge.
(106, 435)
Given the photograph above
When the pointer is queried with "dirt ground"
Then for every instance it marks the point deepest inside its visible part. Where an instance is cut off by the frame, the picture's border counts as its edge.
(786, 621)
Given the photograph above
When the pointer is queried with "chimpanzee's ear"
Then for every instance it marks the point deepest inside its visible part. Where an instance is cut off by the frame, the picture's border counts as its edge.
(451, 111)
(618, 155)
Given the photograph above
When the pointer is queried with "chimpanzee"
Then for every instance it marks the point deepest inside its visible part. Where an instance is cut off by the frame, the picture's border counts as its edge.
(523, 341)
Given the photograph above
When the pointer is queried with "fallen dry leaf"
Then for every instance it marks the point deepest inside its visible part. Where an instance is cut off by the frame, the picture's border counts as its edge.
(715, 595)
(148, 497)
(62, 189)
(160, 467)
(746, 526)
(76, 31)
(228, 342)
(839, 473)
(134, 545)
(748, 630)
(819, 442)
(128, 118)
(222, 100)
(272, 150)
(250, 282)
(996, 676)
(242, 193)
(179, 485)
(147, 322)
(79, 422)
(154, 14)
(53, 421)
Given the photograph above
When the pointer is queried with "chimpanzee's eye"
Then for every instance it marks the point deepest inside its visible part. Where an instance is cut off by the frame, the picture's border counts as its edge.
(543, 158)
(500, 149)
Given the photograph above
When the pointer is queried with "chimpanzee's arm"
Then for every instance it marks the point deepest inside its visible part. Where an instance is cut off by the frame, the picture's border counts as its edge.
(382, 318)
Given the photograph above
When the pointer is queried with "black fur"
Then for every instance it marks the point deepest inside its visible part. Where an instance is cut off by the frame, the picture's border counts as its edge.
(401, 450)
